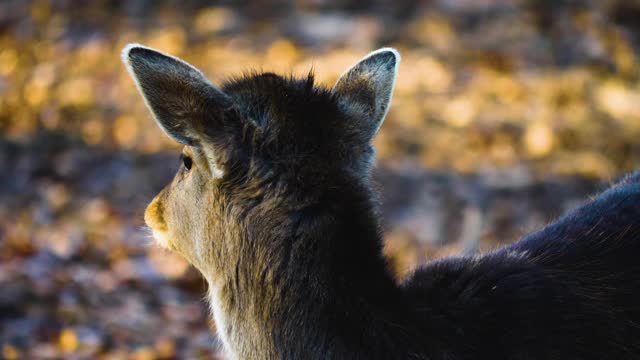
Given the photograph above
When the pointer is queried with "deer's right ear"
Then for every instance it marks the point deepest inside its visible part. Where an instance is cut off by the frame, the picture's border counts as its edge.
(183, 102)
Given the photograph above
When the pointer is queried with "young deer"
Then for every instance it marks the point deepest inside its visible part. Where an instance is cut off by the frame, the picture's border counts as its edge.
(273, 204)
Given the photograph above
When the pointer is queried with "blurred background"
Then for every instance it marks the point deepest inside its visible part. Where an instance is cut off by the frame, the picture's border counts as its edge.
(505, 115)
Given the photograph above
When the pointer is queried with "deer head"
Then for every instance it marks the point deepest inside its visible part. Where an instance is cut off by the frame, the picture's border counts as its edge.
(273, 194)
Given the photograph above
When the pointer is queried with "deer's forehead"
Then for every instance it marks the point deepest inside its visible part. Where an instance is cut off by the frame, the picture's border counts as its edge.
(268, 97)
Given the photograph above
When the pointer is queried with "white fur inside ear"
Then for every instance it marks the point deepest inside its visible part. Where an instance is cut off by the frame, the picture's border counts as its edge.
(124, 55)
(397, 56)
(384, 79)
(126, 59)
(393, 51)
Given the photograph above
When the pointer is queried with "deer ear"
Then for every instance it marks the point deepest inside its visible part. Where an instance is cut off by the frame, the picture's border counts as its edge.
(365, 90)
(183, 102)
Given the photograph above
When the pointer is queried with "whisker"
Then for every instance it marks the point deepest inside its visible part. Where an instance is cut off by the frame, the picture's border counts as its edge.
(149, 239)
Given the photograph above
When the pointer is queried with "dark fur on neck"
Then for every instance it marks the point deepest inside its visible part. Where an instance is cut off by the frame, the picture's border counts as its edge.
(313, 283)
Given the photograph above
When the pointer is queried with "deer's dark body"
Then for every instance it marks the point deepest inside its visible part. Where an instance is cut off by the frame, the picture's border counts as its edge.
(568, 291)
(275, 208)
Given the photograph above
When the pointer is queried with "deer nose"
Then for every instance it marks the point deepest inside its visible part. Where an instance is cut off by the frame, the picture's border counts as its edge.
(154, 216)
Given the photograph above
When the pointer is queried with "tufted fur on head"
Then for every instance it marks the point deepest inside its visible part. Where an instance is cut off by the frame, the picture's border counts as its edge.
(273, 204)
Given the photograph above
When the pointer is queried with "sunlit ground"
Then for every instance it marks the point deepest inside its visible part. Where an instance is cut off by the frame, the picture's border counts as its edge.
(505, 114)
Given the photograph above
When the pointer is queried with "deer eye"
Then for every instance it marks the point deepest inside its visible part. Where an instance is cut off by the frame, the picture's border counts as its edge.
(186, 161)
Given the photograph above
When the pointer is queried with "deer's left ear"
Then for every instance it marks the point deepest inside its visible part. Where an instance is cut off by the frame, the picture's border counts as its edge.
(183, 102)
(364, 91)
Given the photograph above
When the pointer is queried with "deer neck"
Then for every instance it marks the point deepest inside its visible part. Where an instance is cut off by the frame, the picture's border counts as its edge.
(316, 278)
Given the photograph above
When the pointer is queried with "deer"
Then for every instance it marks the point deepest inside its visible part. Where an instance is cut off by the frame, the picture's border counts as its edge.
(274, 205)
